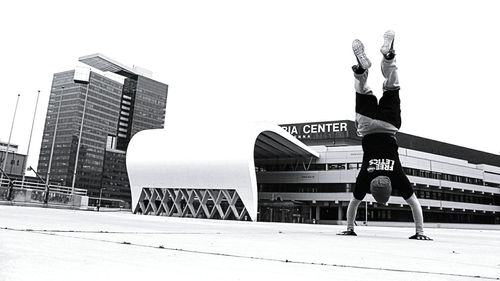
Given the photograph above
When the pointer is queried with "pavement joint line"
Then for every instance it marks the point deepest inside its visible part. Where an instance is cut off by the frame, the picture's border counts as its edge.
(162, 247)
(106, 231)
(157, 232)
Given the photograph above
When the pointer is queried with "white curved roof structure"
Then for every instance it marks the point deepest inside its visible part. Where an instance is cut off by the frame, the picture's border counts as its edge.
(207, 158)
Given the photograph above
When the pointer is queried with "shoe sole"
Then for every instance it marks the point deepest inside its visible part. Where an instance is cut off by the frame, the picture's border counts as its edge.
(347, 233)
(420, 237)
(359, 51)
(388, 38)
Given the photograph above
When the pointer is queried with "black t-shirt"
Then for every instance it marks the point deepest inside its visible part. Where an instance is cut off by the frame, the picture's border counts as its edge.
(381, 158)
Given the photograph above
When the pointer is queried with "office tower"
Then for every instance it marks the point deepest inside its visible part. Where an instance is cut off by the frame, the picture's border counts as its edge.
(106, 108)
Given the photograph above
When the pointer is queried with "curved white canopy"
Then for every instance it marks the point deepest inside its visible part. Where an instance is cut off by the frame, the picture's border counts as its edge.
(208, 157)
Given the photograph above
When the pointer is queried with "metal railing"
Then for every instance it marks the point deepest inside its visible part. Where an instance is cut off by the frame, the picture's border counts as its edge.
(17, 184)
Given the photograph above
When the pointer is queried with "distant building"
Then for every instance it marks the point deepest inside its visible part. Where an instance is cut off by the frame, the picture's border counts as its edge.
(454, 184)
(11, 147)
(15, 161)
(116, 102)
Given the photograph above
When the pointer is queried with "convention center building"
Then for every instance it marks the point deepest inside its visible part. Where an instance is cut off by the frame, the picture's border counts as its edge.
(304, 173)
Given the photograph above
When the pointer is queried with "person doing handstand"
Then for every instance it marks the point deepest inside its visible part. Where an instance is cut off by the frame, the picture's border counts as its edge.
(378, 123)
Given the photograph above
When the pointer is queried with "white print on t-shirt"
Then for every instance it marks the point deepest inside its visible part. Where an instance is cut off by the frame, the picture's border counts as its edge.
(380, 165)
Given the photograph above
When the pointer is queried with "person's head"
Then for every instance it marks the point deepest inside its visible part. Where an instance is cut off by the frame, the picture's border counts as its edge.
(381, 189)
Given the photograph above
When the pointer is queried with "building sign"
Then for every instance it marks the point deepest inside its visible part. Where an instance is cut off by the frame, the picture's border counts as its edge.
(319, 130)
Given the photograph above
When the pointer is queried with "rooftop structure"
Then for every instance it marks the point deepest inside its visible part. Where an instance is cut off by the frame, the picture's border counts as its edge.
(104, 63)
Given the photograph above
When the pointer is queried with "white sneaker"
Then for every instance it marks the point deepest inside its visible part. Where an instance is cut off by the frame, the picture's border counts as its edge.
(388, 40)
(359, 51)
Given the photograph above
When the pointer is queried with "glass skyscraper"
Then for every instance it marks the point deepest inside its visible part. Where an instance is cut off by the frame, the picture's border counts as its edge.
(113, 110)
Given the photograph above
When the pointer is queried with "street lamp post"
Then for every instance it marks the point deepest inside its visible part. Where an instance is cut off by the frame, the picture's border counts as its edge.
(100, 198)
(102, 175)
(29, 142)
(10, 185)
(36, 173)
(46, 195)
(10, 135)
(366, 212)
(47, 182)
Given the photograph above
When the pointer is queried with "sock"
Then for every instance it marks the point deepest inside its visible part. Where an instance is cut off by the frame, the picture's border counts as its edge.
(390, 55)
(358, 69)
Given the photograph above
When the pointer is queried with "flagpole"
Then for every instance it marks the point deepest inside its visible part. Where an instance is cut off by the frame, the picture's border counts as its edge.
(29, 141)
(47, 180)
(10, 135)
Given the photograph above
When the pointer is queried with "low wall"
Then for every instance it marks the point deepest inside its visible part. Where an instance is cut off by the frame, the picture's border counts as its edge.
(31, 196)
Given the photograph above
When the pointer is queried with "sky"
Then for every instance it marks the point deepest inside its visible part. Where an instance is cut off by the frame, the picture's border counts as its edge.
(275, 61)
